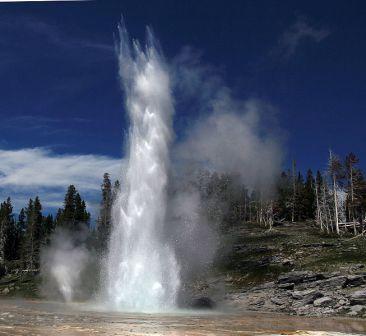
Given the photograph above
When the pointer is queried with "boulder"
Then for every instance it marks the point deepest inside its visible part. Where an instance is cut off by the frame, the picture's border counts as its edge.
(324, 301)
(278, 301)
(358, 308)
(286, 285)
(354, 281)
(5, 291)
(358, 298)
(342, 302)
(357, 267)
(298, 277)
(266, 285)
(307, 296)
(334, 282)
(293, 277)
(287, 262)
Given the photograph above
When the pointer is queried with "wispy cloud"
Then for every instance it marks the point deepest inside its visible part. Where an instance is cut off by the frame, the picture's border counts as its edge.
(53, 34)
(38, 171)
(301, 30)
(41, 0)
(44, 126)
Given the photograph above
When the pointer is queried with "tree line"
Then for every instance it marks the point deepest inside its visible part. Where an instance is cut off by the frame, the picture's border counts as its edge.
(334, 199)
(22, 236)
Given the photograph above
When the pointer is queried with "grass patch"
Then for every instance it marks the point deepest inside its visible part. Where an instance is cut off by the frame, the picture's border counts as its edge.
(252, 254)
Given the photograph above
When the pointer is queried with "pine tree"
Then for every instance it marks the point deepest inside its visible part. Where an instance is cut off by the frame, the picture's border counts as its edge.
(300, 210)
(21, 226)
(104, 220)
(21, 221)
(309, 196)
(350, 163)
(9, 232)
(68, 212)
(283, 205)
(48, 226)
(359, 197)
(33, 234)
(81, 215)
(74, 214)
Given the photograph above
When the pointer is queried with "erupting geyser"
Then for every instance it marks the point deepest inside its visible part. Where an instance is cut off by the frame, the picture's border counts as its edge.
(141, 269)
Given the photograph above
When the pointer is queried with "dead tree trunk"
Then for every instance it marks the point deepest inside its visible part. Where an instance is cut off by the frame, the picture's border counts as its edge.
(293, 190)
(336, 219)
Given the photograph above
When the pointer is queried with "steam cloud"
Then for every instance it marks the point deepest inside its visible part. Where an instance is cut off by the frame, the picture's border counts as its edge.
(64, 267)
(230, 135)
(230, 140)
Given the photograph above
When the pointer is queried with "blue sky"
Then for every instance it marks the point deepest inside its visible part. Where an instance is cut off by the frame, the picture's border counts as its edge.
(60, 91)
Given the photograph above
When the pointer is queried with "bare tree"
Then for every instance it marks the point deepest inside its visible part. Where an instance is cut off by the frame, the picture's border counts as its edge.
(293, 190)
(336, 173)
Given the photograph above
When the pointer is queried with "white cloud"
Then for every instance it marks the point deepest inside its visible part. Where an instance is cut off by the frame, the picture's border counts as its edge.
(299, 31)
(28, 172)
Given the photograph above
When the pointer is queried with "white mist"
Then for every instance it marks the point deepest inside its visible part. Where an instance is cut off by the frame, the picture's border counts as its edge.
(141, 269)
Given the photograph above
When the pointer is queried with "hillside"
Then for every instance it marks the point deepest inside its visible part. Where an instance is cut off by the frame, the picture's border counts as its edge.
(293, 268)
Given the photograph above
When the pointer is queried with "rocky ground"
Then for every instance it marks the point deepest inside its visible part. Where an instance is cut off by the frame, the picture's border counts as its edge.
(307, 293)
(20, 284)
(293, 269)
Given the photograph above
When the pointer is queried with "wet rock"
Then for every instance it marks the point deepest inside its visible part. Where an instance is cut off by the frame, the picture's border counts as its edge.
(325, 301)
(203, 302)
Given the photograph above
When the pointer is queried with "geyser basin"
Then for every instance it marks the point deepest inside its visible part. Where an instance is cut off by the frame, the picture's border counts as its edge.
(141, 272)
(44, 318)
